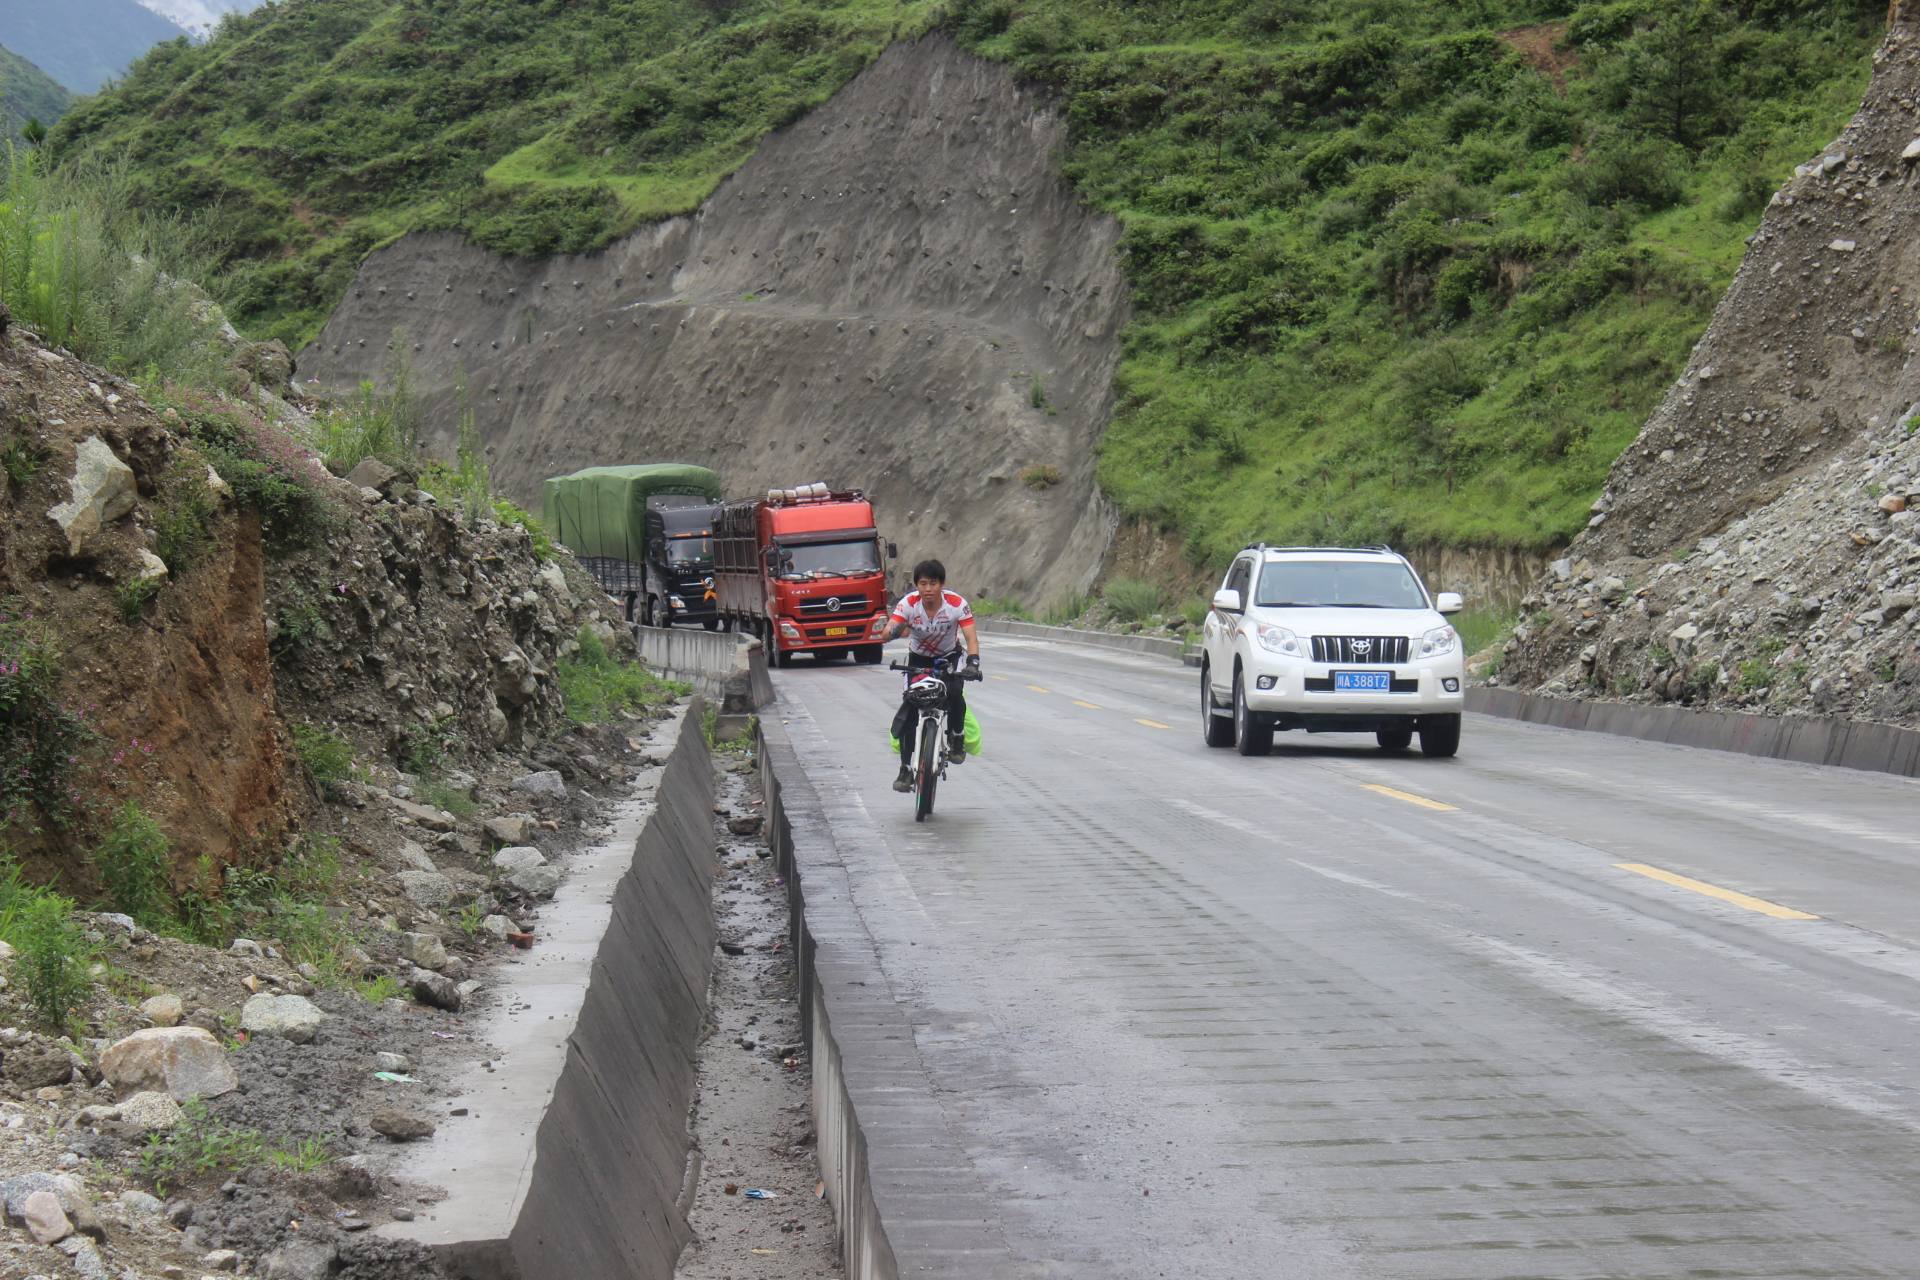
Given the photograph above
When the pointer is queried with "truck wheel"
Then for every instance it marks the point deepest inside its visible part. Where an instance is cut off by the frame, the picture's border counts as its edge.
(869, 654)
(783, 658)
(647, 618)
(711, 624)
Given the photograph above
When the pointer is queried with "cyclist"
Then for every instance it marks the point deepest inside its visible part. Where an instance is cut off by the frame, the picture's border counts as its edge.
(937, 621)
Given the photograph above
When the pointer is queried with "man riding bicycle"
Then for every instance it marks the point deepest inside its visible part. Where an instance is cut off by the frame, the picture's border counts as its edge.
(936, 621)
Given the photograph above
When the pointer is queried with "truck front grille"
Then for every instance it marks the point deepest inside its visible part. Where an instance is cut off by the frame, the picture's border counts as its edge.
(830, 607)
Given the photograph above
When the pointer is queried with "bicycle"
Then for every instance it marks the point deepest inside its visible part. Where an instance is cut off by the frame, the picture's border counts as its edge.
(928, 691)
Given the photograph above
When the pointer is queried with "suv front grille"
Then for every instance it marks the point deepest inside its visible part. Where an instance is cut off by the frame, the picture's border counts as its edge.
(1389, 650)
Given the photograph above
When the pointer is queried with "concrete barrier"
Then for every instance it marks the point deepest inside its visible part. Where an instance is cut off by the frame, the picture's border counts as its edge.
(574, 1159)
(721, 665)
(835, 959)
(1847, 744)
(1158, 645)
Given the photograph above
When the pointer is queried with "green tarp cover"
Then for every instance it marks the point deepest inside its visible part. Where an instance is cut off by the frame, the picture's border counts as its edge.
(602, 511)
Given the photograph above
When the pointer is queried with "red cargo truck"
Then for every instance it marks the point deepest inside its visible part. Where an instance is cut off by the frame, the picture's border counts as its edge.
(803, 569)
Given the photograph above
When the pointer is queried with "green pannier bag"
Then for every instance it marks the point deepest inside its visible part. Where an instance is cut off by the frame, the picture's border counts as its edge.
(972, 734)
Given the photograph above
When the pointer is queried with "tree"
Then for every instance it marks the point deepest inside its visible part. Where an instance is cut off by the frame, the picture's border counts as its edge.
(34, 132)
(1672, 72)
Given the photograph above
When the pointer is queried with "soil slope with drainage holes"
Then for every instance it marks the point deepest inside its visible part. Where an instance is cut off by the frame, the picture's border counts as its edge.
(898, 292)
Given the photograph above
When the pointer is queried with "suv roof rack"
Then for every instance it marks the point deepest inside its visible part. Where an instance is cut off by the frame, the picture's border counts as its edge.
(1371, 546)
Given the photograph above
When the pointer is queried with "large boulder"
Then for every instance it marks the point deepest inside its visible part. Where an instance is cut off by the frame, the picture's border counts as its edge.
(103, 490)
(517, 857)
(294, 1018)
(428, 889)
(423, 949)
(183, 1062)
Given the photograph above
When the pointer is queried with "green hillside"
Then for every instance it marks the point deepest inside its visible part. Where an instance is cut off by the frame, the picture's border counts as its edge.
(1402, 269)
(27, 93)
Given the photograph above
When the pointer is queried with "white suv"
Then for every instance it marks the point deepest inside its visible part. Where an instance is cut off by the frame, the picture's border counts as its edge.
(1330, 639)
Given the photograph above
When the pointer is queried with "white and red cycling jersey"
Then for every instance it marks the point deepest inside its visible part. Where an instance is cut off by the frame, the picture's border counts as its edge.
(933, 628)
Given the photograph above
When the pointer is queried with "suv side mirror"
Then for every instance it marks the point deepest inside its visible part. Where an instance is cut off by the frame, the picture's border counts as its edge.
(1450, 602)
(1227, 599)
(893, 552)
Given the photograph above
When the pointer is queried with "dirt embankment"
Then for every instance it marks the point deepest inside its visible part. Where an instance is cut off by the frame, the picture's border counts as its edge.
(898, 292)
(1754, 547)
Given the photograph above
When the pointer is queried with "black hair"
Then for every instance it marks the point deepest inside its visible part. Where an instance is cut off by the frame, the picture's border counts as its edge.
(930, 569)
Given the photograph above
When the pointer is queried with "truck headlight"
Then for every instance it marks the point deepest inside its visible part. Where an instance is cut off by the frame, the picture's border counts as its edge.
(1439, 641)
(790, 631)
(1277, 639)
(879, 625)
(676, 601)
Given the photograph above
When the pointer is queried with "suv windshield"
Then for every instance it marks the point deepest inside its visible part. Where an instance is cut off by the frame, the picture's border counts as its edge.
(690, 549)
(828, 559)
(1342, 584)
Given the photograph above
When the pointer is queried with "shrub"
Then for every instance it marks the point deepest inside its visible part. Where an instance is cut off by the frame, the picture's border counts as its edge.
(41, 737)
(1131, 599)
(597, 685)
(54, 952)
(269, 471)
(988, 607)
(376, 424)
(132, 862)
(184, 515)
(507, 513)
(1042, 476)
(327, 756)
(21, 461)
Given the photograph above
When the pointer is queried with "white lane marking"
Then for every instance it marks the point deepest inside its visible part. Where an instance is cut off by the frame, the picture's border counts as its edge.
(1820, 820)
(1357, 881)
(1642, 1007)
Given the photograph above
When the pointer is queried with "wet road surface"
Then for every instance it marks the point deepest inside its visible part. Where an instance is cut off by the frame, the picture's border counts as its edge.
(1569, 1005)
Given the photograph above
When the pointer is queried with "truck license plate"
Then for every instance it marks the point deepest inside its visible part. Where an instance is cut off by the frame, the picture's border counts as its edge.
(837, 631)
(1362, 681)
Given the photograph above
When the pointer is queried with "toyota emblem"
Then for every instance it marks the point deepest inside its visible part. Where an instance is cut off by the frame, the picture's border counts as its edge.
(833, 605)
(1363, 646)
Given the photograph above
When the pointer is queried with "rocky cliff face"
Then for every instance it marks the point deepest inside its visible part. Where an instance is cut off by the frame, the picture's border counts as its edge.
(1754, 547)
(898, 292)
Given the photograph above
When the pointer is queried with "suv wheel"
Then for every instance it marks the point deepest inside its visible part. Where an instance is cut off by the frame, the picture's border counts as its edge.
(1215, 728)
(1439, 735)
(1252, 735)
(1394, 739)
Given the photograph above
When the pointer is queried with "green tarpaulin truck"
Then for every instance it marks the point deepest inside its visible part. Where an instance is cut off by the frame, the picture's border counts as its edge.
(645, 532)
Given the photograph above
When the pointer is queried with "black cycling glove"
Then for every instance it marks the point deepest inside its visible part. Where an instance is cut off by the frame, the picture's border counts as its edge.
(973, 666)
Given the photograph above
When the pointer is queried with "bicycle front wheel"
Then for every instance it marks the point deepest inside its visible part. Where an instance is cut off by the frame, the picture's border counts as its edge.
(927, 776)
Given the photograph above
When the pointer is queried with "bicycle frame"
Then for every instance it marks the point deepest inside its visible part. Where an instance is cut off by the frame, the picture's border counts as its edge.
(928, 774)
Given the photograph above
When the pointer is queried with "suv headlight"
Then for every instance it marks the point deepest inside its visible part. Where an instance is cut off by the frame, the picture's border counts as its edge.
(1277, 639)
(1439, 641)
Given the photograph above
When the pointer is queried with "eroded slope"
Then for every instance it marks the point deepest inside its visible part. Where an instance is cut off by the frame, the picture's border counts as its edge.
(1753, 547)
(898, 292)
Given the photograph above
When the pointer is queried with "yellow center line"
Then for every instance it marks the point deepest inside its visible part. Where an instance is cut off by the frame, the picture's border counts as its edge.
(996, 677)
(1039, 688)
(1738, 899)
(1153, 724)
(1091, 706)
(1411, 798)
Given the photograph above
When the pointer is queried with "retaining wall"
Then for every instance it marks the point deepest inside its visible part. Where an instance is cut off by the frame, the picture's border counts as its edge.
(1160, 645)
(575, 1159)
(830, 947)
(1847, 744)
(722, 665)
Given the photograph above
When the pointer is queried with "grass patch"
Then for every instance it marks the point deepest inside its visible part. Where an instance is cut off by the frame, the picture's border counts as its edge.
(441, 795)
(1132, 599)
(989, 607)
(376, 990)
(598, 686)
(1480, 628)
(43, 739)
(202, 1148)
(1042, 476)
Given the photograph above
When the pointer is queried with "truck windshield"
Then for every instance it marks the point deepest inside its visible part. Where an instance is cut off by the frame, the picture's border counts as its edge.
(689, 549)
(828, 559)
(1343, 584)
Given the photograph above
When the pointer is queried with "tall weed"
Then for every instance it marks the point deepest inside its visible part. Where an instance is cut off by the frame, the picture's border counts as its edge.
(87, 271)
(132, 862)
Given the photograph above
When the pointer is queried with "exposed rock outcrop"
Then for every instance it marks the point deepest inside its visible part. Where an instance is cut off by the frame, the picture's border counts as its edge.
(897, 292)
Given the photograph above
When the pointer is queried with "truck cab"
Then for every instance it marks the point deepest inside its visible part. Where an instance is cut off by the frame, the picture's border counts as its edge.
(805, 570)
(679, 545)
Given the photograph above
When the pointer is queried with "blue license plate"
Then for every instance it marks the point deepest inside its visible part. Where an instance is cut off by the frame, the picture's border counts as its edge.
(1363, 682)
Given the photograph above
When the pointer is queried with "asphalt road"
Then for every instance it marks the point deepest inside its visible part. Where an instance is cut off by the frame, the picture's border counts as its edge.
(1568, 1005)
